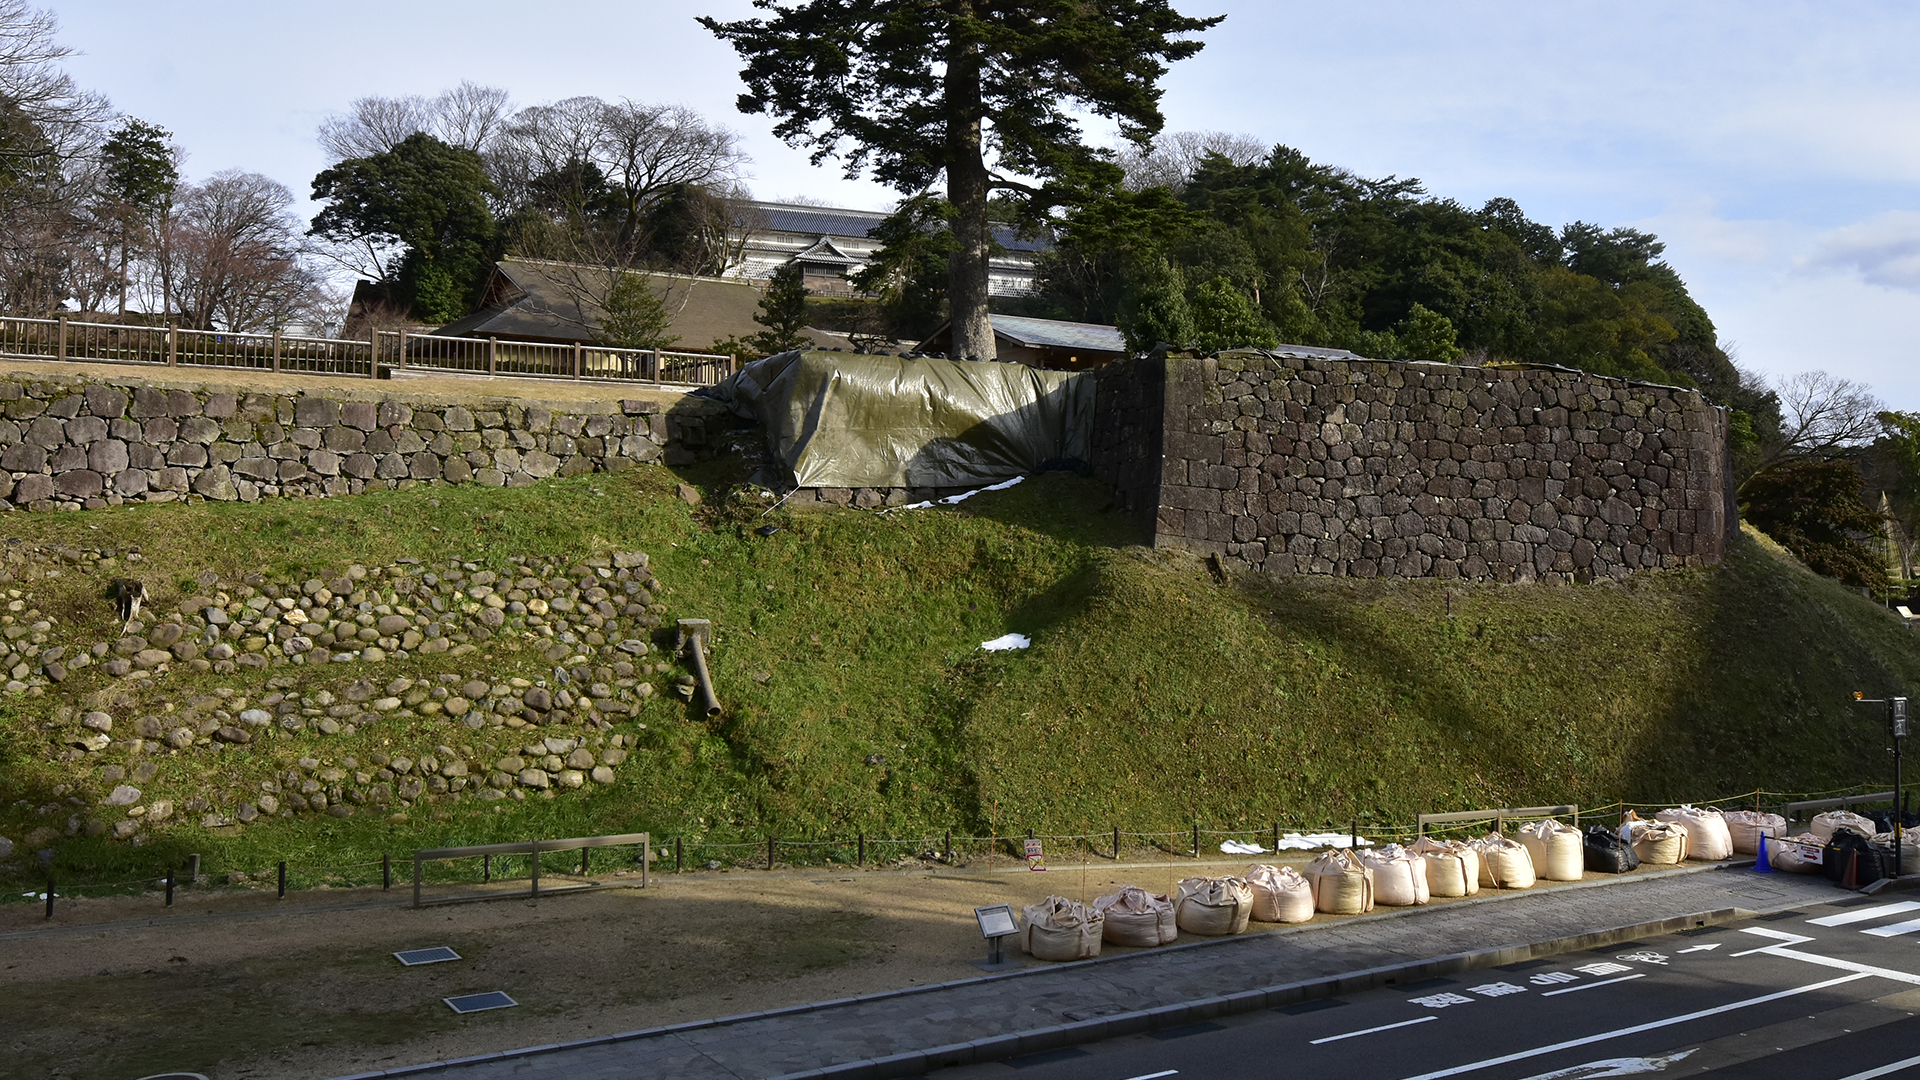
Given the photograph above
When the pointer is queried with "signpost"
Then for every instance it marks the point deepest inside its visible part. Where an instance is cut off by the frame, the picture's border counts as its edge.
(996, 922)
(1896, 731)
(1036, 859)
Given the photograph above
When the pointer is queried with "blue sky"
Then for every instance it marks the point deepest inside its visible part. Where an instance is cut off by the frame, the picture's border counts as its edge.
(1775, 147)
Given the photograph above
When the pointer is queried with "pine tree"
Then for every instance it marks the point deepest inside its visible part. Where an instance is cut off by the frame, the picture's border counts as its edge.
(783, 311)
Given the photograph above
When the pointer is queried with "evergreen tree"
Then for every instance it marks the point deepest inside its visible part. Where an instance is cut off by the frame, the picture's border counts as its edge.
(633, 316)
(982, 94)
(139, 170)
(1155, 311)
(428, 199)
(1223, 318)
(783, 311)
(1813, 507)
(1428, 335)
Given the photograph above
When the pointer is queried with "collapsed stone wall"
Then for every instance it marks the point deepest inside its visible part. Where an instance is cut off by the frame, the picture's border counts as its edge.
(1304, 465)
(74, 442)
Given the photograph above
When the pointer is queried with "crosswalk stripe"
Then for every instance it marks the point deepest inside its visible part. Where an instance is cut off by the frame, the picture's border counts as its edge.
(1894, 930)
(1878, 911)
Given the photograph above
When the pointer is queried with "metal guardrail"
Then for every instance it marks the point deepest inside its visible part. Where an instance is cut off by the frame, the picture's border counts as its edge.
(1498, 817)
(75, 340)
(534, 849)
(1795, 811)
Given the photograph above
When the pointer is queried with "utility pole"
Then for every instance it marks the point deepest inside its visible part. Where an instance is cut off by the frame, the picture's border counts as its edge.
(1897, 732)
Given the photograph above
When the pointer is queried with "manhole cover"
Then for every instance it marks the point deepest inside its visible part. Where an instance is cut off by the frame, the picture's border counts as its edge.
(472, 1003)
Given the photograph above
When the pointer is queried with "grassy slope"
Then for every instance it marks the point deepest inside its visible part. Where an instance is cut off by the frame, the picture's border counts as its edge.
(1152, 697)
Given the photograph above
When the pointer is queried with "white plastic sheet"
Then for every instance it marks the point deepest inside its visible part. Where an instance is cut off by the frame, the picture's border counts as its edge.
(1007, 641)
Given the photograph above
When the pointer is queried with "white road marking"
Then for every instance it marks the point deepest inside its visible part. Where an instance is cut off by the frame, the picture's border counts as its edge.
(1156, 1076)
(1863, 914)
(1781, 936)
(1824, 961)
(1522, 1055)
(1702, 948)
(1589, 986)
(1884, 1070)
(1371, 1030)
(1894, 930)
(1616, 1067)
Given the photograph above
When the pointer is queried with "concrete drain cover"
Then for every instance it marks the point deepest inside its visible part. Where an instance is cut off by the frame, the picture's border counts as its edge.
(472, 1003)
(437, 954)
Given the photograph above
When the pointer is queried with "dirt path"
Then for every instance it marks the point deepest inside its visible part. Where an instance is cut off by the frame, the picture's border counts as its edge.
(440, 385)
(236, 984)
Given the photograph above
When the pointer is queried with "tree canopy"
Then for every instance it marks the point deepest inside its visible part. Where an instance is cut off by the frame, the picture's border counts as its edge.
(984, 94)
(427, 199)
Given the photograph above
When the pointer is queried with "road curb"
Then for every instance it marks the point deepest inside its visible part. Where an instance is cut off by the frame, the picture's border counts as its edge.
(983, 1045)
(1061, 1036)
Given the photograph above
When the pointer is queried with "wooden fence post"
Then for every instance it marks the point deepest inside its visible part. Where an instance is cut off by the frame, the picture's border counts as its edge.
(576, 374)
(276, 352)
(62, 353)
(493, 360)
(373, 353)
(173, 344)
(400, 361)
(656, 365)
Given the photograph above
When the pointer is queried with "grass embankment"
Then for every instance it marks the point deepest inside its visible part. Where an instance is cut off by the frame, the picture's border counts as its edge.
(1152, 698)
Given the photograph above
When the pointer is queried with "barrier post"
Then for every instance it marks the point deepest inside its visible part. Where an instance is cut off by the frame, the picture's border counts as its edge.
(1196, 840)
(535, 859)
(583, 861)
(949, 845)
(646, 858)
(676, 854)
(386, 872)
(1116, 843)
(416, 878)
(769, 852)
(861, 858)
(49, 897)
(283, 879)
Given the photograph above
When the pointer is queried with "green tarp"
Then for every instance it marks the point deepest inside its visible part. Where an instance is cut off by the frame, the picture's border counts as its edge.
(849, 420)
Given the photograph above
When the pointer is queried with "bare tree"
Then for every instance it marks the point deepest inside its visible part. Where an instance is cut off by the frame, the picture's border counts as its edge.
(231, 258)
(1822, 415)
(48, 126)
(601, 166)
(1171, 159)
(469, 116)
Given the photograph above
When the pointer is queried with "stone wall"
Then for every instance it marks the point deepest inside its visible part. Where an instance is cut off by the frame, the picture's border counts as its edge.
(1293, 464)
(74, 442)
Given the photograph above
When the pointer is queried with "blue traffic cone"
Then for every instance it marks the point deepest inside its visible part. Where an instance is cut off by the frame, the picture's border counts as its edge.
(1762, 864)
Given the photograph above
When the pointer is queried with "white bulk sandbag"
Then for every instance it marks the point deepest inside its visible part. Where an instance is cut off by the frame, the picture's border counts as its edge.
(1453, 868)
(1280, 894)
(1504, 864)
(1909, 848)
(1137, 917)
(1660, 843)
(1061, 929)
(1558, 851)
(1399, 878)
(1708, 837)
(1745, 827)
(1825, 824)
(1796, 854)
(1213, 906)
(1341, 885)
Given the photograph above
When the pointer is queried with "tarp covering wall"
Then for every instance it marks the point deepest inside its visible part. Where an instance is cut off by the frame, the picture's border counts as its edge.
(848, 420)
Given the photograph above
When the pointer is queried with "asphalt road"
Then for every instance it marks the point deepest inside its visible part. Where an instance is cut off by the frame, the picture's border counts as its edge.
(1824, 993)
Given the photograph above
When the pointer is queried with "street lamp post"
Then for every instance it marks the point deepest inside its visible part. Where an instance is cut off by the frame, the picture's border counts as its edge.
(1897, 732)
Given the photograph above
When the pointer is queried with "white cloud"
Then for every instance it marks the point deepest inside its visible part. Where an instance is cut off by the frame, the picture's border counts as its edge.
(1884, 250)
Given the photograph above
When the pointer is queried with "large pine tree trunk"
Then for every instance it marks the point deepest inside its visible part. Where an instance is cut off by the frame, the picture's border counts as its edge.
(967, 191)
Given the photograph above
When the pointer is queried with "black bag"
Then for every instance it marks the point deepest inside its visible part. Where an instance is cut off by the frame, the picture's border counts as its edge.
(1874, 862)
(1607, 853)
